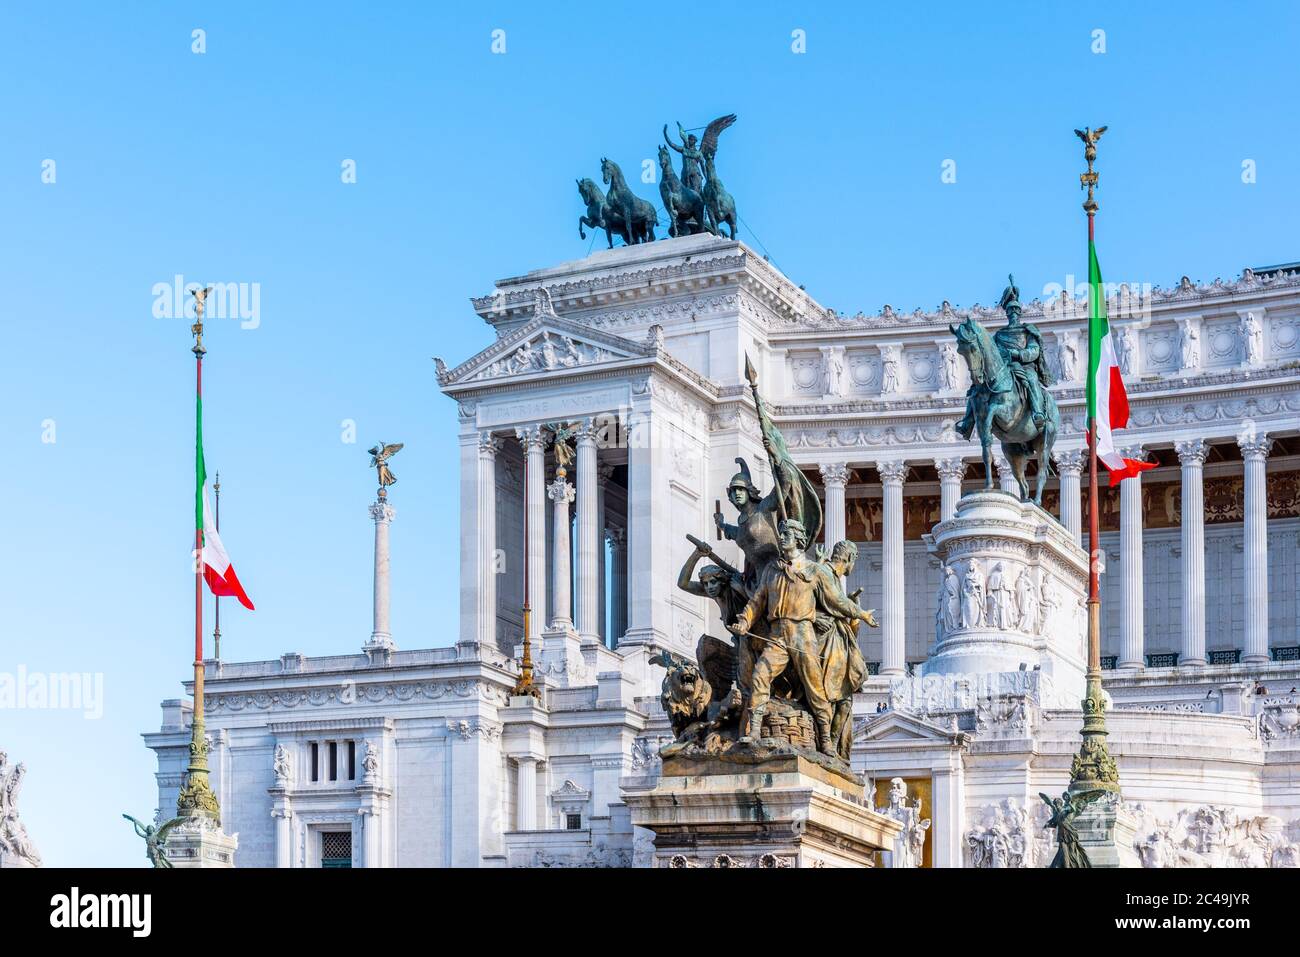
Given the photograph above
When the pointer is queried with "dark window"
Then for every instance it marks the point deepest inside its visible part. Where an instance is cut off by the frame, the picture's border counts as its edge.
(334, 761)
(573, 822)
(336, 849)
(1163, 661)
(1231, 657)
(352, 760)
(1291, 653)
(315, 761)
(873, 667)
(1108, 662)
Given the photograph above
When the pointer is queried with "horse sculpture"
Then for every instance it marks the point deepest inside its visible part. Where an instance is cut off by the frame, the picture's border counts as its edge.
(684, 205)
(996, 406)
(719, 205)
(596, 209)
(622, 206)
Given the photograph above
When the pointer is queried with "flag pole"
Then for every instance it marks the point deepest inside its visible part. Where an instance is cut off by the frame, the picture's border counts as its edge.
(216, 599)
(196, 799)
(1093, 768)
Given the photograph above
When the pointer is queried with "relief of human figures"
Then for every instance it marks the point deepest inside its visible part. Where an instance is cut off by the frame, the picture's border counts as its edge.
(972, 597)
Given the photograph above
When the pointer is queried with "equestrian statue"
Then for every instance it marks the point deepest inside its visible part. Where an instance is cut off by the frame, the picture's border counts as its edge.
(1008, 396)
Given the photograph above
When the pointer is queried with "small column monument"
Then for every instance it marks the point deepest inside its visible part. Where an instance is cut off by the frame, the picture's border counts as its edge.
(381, 645)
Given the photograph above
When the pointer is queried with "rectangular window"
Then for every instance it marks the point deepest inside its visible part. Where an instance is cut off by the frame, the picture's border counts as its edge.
(334, 760)
(1169, 660)
(1231, 657)
(315, 762)
(336, 849)
(573, 822)
(352, 760)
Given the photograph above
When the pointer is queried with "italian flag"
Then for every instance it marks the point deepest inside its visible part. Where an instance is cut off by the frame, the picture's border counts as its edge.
(217, 570)
(1107, 400)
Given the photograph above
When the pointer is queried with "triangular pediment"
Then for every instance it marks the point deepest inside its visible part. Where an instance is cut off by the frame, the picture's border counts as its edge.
(896, 727)
(548, 343)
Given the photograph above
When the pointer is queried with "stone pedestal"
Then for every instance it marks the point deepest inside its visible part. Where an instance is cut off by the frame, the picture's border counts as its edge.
(1012, 593)
(1106, 830)
(200, 842)
(781, 811)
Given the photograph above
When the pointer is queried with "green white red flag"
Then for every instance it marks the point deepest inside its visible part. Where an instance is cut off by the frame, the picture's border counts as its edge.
(1107, 400)
(217, 570)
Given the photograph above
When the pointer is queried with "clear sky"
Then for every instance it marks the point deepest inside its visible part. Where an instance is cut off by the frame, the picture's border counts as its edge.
(226, 166)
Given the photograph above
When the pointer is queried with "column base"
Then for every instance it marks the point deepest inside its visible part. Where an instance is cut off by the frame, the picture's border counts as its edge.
(200, 843)
(1106, 831)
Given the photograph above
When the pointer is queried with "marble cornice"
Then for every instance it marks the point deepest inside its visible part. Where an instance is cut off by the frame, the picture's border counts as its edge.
(1162, 303)
(583, 287)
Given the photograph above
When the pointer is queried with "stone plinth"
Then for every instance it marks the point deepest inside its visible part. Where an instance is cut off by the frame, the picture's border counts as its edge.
(1012, 593)
(201, 843)
(1106, 831)
(782, 811)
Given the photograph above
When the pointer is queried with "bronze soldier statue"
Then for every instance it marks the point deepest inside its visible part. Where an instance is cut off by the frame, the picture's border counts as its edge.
(788, 595)
(843, 667)
(1022, 344)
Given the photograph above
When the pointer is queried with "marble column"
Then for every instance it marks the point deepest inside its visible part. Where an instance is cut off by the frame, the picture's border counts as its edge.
(526, 795)
(383, 514)
(1191, 454)
(533, 440)
(1131, 635)
(488, 568)
(835, 476)
(892, 620)
(1069, 466)
(562, 494)
(1254, 452)
(604, 472)
(283, 817)
(617, 584)
(951, 472)
(587, 593)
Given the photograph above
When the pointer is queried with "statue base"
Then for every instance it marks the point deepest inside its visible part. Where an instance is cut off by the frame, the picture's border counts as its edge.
(200, 842)
(776, 811)
(1106, 831)
(1012, 598)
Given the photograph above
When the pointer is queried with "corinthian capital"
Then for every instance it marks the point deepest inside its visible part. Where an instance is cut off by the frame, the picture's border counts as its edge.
(532, 438)
(1254, 446)
(835, 473)
(950, 468)
(1070, 461)
(892, 472)
(1192, 451)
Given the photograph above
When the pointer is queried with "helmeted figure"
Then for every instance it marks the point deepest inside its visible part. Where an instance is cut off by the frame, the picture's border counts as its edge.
(756, 530)
(790, 592)
(1022, 344)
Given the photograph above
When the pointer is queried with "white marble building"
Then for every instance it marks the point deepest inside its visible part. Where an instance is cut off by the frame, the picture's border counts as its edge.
(419, 757)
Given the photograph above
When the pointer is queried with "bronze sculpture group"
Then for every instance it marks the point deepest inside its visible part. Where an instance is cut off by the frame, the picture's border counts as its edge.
(695, 202)
(786, 682)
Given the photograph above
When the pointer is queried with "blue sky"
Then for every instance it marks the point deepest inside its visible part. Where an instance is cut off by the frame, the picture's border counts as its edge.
(225, 166)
